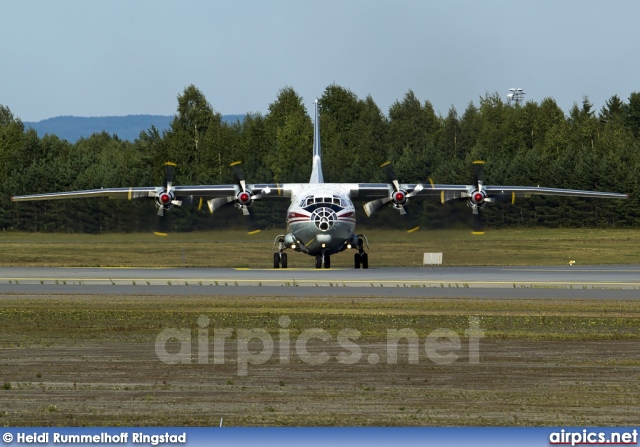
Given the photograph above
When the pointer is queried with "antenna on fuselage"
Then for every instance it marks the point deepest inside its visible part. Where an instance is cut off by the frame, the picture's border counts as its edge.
(316, 172)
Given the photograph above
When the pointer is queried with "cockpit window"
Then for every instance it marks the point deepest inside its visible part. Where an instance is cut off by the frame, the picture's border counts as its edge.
(319, 201)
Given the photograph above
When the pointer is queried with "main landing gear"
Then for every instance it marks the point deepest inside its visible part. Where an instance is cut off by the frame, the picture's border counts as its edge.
(361, 258)
(280, 259)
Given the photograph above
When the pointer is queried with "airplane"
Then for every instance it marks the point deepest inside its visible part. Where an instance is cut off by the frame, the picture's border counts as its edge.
(321, 218)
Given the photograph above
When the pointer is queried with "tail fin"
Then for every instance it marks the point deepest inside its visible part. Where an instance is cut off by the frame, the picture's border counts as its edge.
(316, 172)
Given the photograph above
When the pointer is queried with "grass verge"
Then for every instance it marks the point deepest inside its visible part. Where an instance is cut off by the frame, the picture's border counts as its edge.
(231, 248)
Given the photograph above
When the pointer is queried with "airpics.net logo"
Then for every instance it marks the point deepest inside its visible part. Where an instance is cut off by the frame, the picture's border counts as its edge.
(312, 346)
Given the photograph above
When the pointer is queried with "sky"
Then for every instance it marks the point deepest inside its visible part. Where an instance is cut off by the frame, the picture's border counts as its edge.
(124, 57)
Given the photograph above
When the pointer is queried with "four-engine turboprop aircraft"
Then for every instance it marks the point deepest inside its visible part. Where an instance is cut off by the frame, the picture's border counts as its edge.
(321, 219)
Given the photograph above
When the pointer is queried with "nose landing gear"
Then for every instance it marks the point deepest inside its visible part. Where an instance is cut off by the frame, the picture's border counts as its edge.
(323, 259)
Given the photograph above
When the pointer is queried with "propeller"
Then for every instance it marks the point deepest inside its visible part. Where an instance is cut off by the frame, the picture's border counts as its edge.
(165, 199)
(242, 200)
(397, 198)
(479, 197)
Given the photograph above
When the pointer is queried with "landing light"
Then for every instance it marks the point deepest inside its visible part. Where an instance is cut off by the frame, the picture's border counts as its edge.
(349, 246)
(293, 246)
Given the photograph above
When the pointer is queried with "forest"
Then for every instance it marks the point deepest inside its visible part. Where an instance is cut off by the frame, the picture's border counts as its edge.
(526, 144)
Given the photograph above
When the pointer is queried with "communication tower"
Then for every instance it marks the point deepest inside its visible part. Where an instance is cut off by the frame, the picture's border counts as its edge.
(516, 95)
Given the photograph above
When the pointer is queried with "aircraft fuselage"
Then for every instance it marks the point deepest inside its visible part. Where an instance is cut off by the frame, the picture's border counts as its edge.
(321, 220)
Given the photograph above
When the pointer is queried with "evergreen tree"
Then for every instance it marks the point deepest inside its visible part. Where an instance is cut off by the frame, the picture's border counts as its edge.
(613, 110)
(632, 114)
(186, 142)
(340, 113)
(289, 138)
(368, 137)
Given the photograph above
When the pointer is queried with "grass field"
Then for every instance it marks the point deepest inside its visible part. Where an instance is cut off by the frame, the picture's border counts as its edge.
(75, 360)
(387, 248)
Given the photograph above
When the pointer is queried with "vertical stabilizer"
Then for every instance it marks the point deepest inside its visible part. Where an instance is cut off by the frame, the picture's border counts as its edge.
(316, 172)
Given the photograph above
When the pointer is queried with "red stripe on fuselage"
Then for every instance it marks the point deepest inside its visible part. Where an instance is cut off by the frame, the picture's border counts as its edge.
(293, 215)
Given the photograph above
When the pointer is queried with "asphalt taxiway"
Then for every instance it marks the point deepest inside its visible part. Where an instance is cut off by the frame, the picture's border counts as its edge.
(595, 282)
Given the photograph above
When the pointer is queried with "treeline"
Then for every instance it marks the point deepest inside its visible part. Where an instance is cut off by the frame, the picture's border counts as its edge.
(530, 144)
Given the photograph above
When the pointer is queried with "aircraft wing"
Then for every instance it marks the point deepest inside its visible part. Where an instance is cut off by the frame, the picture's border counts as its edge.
(372, 190)
(524, 191)
(204, 191)
(397, 194)
(113, 193)
(358, 191)
(449, 192)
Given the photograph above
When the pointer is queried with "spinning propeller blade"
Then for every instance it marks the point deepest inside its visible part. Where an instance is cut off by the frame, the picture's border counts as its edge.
(165, 199)
(242, 200)
(398, 197)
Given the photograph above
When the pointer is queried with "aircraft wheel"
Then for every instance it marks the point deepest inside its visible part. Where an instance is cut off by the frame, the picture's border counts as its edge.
(276, 260)
(356, 260)
(283, 260)
(327, 261)
(318, 261)
(365, 260)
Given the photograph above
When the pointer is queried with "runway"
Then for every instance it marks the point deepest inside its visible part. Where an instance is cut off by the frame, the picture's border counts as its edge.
(594, 282)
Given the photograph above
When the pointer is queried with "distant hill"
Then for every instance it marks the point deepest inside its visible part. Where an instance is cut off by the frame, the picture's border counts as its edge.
(72, 128)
